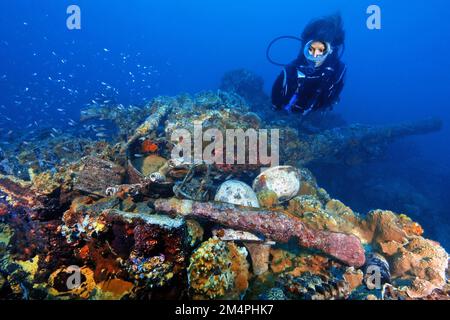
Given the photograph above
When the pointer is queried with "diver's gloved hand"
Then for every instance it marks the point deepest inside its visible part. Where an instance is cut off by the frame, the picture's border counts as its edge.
(288, 109)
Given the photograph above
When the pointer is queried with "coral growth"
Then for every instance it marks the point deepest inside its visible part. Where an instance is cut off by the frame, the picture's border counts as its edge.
(218, 270)
(134, 223)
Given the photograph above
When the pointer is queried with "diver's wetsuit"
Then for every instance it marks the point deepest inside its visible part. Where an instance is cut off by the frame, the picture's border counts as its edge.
(303, 88)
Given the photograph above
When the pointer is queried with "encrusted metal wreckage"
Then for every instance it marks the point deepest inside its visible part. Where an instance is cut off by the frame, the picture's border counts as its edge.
(139, 224)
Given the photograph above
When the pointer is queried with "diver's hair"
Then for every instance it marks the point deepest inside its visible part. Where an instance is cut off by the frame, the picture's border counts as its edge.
(329, 29)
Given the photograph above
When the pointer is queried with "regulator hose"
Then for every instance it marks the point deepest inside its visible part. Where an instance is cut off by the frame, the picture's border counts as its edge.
(269, 47)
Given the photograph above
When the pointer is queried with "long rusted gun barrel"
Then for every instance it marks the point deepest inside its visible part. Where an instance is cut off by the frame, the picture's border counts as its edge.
(158, 112)
(275, 225)
(357, 142)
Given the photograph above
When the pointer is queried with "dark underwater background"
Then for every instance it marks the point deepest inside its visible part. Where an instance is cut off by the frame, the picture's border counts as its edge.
(131, 51)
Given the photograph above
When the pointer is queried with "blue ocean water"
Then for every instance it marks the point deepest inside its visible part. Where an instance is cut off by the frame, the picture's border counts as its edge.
(131, 51)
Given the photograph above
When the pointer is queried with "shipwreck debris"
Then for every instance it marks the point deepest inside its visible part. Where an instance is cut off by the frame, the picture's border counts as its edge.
(237, 192)
(282, 180)
(275, 225)
(158, 110)
(196, 187)
(112, 214)
(97, 175)
(356, 143)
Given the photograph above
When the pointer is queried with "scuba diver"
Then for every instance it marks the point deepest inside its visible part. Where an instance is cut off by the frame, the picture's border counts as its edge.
(313, 81)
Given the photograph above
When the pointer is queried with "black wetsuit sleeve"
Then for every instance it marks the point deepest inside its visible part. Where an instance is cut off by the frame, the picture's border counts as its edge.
(281, 95)
(278, 98)
(337, 86)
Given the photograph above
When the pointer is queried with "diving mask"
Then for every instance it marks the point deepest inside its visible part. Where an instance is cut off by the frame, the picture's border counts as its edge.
(320, 59)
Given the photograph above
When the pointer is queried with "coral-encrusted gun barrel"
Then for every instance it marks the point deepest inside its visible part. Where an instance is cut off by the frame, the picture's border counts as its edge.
(275, 225)
(158, 112)
(356, 143)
